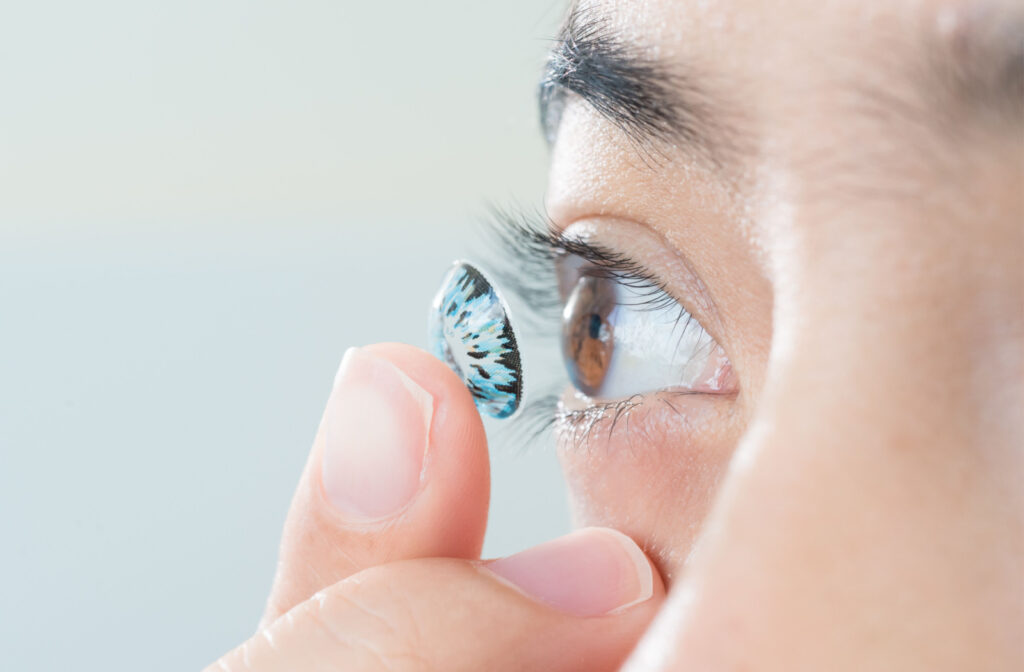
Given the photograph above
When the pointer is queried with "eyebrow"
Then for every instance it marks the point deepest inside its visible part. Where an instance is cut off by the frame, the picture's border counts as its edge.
(653, 103)
(647, 100)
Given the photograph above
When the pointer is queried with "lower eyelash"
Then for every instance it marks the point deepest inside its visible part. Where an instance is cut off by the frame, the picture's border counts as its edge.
(580, 425)
(583, 424)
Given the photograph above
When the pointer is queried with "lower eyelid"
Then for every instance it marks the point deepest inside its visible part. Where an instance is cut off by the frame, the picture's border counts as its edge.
(666, 420)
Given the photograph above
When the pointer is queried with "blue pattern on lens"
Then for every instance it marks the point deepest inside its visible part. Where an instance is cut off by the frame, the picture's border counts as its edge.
(470, 331)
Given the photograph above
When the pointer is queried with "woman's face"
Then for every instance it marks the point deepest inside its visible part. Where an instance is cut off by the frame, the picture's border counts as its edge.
(833, 191)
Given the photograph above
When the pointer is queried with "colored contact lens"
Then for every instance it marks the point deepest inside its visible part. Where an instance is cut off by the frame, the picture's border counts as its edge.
(470, 331)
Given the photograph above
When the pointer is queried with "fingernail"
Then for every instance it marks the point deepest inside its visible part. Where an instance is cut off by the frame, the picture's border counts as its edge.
(376, 430)
(590, 572)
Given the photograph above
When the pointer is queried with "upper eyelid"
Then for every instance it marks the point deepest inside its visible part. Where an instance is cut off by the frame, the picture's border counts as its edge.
(531, 244)
(540, 241)
(619, 262)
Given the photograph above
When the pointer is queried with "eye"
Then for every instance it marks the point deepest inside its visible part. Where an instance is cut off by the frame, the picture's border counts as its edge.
(623, 336)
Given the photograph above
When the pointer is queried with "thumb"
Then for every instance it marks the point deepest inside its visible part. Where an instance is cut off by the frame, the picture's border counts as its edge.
(577, 603)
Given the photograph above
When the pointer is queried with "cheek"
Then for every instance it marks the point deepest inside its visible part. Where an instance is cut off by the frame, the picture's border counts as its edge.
(654, 474)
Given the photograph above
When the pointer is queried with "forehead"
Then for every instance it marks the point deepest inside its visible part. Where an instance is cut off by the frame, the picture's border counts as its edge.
(738, 30)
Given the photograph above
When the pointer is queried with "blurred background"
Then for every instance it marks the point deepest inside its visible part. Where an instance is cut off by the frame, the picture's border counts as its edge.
(202, 204)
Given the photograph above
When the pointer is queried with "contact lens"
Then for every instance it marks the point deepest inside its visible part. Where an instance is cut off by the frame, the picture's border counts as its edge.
(469, 329)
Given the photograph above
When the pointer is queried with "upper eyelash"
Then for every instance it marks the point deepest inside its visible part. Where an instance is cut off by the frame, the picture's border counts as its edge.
(534, 246)
(531, 245)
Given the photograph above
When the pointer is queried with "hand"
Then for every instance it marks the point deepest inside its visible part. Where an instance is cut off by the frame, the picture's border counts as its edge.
(379, 566)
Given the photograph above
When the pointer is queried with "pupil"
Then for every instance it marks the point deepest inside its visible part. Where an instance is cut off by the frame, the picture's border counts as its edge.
(595, 325)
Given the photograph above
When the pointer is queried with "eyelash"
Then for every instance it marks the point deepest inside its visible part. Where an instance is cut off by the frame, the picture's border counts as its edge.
(528, 249)
(531, 248)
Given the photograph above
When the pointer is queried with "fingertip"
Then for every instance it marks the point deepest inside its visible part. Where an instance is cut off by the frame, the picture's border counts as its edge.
(458, 442)
(426, 369)
(399, 470)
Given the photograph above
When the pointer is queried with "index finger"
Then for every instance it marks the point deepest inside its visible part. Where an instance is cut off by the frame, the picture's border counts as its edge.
(399, 470)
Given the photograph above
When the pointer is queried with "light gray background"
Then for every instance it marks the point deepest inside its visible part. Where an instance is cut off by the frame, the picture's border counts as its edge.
(202, 204)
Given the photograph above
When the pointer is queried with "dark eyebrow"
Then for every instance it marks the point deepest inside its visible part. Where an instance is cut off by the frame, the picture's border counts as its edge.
(643, 97)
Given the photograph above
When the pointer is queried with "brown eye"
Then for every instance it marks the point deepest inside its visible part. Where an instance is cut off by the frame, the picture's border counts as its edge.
(587, 332)
(623, 336)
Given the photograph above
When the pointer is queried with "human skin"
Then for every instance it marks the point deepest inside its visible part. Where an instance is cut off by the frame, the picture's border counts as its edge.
(857, 502)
